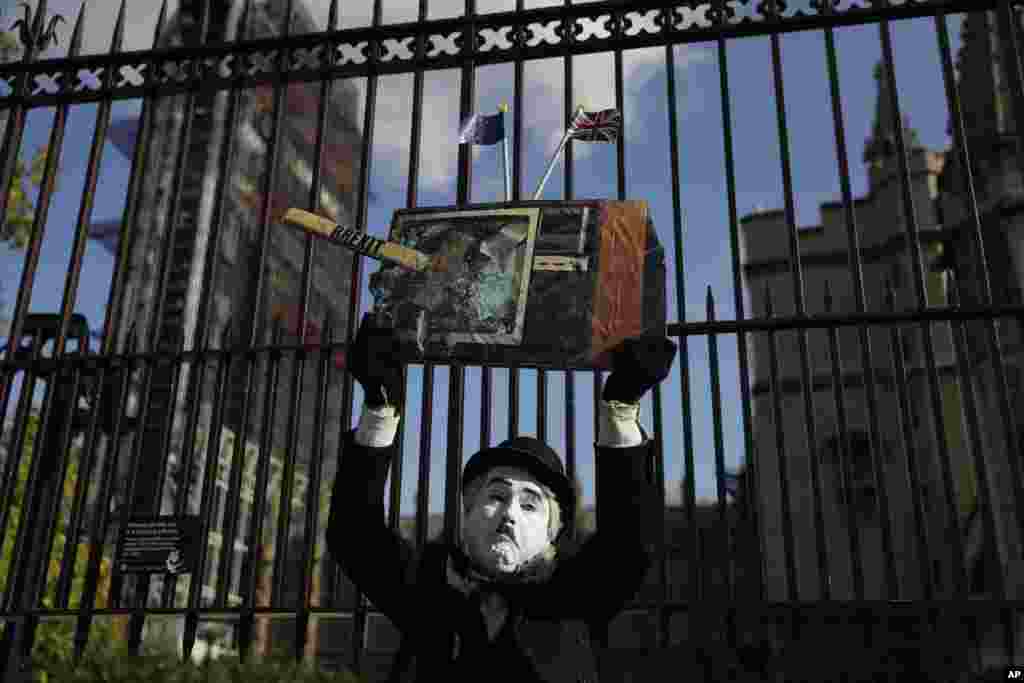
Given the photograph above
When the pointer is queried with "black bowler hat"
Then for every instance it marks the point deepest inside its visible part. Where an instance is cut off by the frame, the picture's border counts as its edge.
(537, 458)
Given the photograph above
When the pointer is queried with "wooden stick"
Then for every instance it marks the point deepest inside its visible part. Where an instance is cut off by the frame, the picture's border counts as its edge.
(361, 243)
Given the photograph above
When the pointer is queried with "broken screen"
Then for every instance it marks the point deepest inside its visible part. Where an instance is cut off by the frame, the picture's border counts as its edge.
(477, 290)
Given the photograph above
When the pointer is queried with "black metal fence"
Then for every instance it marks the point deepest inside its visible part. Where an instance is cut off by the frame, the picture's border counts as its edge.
(843, 530)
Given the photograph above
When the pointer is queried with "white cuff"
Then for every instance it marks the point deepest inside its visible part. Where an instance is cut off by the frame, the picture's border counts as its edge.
(377, 426)
(619, 425)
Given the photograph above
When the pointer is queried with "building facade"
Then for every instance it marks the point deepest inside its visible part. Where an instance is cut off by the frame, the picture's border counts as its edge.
(179, 296)
(908, 434)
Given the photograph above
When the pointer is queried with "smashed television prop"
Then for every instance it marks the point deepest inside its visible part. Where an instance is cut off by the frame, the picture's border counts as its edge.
(533, 284)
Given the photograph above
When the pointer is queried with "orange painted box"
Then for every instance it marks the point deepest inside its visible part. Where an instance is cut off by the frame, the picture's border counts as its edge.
(551, 285)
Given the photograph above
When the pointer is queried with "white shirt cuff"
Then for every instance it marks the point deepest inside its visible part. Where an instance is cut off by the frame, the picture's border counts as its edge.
(377, 426)
(619, 425)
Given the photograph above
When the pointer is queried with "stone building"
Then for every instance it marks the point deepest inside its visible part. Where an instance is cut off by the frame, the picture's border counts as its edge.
(906, 426)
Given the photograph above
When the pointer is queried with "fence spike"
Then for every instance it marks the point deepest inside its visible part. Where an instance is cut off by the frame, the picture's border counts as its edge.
(332, 17)
(224, 332)
(37, 25)
(76, 36)
(289, 15)
(952, 292)
(828, 297)
(710, 305)
(890, 296)
(328, 328)
(160, 23)
(204, 22)
(133, 339)
(117, 43)
(243, 22)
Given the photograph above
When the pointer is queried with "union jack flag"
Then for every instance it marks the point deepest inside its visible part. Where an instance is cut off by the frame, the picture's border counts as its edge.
(600, 126)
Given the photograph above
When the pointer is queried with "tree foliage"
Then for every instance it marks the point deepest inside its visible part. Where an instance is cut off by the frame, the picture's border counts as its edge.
(55, 638)
(16, 229)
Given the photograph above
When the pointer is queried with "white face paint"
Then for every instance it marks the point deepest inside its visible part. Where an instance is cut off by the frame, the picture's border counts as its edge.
(507, 521)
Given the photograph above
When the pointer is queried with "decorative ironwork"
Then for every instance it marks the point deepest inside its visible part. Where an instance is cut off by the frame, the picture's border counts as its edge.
(500, 37)
(31, 31)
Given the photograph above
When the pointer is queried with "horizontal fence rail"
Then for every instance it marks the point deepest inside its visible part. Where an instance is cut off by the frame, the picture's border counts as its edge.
(434, 44)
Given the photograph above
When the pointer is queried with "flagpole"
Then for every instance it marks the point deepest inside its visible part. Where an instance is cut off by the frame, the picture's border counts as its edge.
(558, 152)
(508, 171)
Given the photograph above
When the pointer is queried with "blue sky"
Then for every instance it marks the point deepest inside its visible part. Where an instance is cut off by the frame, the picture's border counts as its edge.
(707, 260)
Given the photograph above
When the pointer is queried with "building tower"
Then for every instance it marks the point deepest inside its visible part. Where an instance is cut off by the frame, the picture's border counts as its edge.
(850, 509)
(225, 298)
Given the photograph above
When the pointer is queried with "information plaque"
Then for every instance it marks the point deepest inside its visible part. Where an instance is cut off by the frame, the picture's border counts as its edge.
(165, 544)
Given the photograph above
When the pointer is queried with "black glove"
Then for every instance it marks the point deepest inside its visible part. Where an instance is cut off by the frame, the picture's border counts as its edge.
(637, 365)
(374, 362)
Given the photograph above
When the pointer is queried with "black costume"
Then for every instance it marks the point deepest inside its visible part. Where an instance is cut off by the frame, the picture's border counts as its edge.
(431, 598)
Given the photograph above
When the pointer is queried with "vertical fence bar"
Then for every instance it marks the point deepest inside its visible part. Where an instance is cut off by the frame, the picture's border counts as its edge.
(98, 529)
(17, 637)
(114, 308)
(568, 192)
(254, 541)
(598, 633)
(57, 454)
(906, 429)
(987, 492)
(568, 39)
(659, 478)
(9, 158)
(91, 177)
(724, 528)
(855, 264)
(312, 524)
(485, 406)
(202, 334)
(143, 582)
(427, 378)
(737, 284)
(842, 449)
(312, 203)
(21, 585)
(570, 438)
(328, 59)
(456, 374)
(355, 284)
(88, 459)
(150, 496)
(780, 447)
(284, 513)
(910, 218)
(517, 181)
(426, 429)
(206, 498)
(140, 500)
(18, 440)
(1010, 25)
(905, 422)
(542, 405)
(375, 52)
(117, 577)
(807, 383)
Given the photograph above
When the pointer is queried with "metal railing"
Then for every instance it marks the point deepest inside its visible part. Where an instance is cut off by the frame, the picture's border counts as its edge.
(184, 385)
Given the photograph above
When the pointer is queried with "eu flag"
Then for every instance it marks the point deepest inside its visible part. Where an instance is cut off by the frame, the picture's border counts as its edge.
(483, 130)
